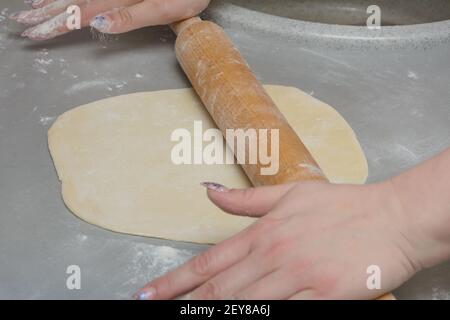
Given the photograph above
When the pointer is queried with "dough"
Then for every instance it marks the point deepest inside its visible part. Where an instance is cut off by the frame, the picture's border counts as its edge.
(113, 158)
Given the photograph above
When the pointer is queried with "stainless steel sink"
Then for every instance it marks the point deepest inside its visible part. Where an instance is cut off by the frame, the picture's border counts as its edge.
(342, 23)
(353, 12)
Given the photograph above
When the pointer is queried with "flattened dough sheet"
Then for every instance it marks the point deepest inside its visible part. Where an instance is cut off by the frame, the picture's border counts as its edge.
(113, 159)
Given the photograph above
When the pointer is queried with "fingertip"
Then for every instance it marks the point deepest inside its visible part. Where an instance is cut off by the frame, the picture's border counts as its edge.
(215, 187)
(101, 23)
(35, 4)
(14, 16)
(146, 293)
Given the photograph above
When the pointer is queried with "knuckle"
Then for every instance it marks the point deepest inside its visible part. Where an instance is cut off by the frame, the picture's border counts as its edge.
(125, 16)
(248, 194)
(264, 225)
(165, 284)
(210, 291)
(203, 263)
(277, 248)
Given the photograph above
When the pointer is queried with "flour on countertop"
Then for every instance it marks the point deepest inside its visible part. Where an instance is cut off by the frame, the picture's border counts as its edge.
(147, 262)
(3, 14)
(440, 294)
(41, 64)
(98, 83)
(3, 37)
(413, 75)
(46, 120)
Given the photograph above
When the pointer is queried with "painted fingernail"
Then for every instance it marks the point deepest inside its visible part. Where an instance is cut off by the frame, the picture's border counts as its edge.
(15, 15)
(27, 32)
(214, 186)
(147, 294)
(101, 23)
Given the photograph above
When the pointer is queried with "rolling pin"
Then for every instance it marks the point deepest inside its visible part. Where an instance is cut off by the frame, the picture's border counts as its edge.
(236, 100)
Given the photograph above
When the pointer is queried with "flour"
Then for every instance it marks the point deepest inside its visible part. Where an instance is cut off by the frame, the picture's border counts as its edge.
(66, 71)
(312, 169)
(147, 262)
(99, 83)
(3, 37)
(46, 120)
(48, 29)
(121, 85)
(42, 62)
(82, 238)
(413, 75)
(440, 294)
(3, 14)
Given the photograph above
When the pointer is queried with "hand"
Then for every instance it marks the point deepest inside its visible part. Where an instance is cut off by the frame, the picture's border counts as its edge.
(314, 240)
(49, 17)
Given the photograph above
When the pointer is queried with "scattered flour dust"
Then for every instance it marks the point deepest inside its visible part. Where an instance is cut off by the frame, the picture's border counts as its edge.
(42, 62)
(46, 120)
(98, 83)
(3, 18)
(440, 294)
(413, 75)
(3, 14)
(147, 262)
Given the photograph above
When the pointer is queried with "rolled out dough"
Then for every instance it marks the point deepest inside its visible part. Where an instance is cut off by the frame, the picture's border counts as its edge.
(113, 158)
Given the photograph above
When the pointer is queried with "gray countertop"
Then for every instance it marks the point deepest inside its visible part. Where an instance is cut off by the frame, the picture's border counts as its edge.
(397, 100)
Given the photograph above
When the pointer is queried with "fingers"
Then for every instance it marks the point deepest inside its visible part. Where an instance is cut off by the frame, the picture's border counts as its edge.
(115, 16)
(234, 279)
(42, 14)
(58, 25)
(304, 295)
(197, 270)
(41, 3)
(147, 13)
(49, 29)
(277, 285)
(253, 202)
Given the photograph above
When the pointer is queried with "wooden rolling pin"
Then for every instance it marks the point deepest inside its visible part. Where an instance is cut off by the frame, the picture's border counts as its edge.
(236, 100)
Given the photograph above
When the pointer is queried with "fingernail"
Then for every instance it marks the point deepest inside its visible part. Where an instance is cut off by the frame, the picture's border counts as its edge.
(147, 294)
(27, 32)
(214, 186)
(15, 15)
(101, 23)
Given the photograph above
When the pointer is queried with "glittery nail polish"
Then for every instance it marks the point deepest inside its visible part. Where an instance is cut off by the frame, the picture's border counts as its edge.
(100, 23)
(36, 2)
(214, 186)
(147, 294)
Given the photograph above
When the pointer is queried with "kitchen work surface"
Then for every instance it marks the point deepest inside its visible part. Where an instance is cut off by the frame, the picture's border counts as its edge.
(392, 88)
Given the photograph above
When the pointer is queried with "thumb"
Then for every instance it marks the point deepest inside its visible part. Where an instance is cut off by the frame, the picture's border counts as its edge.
(252, 202)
